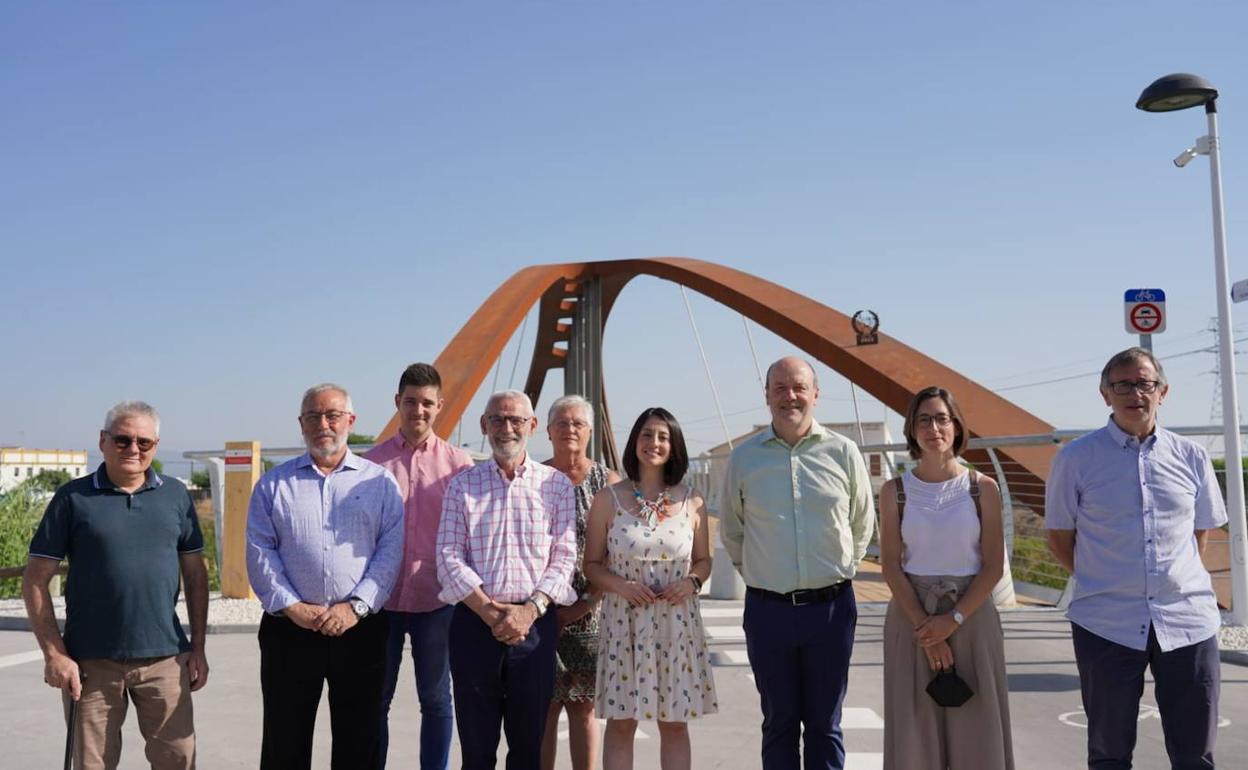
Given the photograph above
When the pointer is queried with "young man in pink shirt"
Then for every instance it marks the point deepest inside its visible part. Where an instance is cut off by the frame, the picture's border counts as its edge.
(423, 464)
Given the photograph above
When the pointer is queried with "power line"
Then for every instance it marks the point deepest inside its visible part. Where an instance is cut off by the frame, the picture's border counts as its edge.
(1057, 367)
(1098, 371)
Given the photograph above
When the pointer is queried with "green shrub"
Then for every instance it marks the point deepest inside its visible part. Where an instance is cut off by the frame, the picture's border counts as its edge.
(20, 511)
(208, 527)
(1033, 563)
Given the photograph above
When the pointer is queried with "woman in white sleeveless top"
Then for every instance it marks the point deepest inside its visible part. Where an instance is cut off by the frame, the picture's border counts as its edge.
(942, 551)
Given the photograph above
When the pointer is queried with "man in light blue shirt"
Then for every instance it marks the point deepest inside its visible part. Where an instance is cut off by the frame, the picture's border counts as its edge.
(324, 542)
(1128, 510)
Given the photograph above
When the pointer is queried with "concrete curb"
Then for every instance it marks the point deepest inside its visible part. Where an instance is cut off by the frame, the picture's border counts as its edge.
(1234, 657)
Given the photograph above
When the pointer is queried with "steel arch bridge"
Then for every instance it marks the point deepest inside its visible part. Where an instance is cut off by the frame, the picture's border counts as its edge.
(576, 299)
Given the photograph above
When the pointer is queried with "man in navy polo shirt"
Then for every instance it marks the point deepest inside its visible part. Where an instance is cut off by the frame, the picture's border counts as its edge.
(128, 533)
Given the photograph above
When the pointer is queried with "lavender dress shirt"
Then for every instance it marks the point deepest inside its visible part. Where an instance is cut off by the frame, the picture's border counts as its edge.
(1135, 507)
(323, 539)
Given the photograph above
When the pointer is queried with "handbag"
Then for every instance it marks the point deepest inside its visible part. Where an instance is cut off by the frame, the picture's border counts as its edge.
(948, 689)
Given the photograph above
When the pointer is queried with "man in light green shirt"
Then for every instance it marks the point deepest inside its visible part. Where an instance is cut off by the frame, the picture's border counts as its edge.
(796, 519)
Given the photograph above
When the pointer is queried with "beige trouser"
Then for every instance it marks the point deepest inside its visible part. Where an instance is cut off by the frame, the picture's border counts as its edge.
(161, 691)
(920, 735)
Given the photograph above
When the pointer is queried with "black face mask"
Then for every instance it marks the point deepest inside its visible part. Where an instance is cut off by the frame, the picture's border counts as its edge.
(948, 689)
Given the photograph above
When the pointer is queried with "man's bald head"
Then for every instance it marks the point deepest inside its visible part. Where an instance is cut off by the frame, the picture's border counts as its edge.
(790, 363)
(792, 392)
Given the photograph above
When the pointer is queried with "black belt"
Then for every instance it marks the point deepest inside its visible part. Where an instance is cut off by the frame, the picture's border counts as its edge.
(803, 595)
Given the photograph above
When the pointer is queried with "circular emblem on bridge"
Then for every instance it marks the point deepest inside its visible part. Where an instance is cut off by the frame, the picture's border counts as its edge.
(866, 323)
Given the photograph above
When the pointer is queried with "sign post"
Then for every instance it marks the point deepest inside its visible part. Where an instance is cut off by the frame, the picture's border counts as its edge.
(242, 471)
(1145, 314)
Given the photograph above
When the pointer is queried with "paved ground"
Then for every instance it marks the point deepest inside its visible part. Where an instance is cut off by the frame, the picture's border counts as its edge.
(1044, 700)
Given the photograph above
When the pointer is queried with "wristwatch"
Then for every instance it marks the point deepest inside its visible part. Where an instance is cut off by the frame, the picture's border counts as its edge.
(359, 607)
(540, 602)
(958, 617)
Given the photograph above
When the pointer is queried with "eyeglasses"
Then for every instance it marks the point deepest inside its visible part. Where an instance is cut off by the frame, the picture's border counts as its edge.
(941, 420)
(576, 425)
(514, 420)
(1123, 387)
(314, 418)
(123, 442)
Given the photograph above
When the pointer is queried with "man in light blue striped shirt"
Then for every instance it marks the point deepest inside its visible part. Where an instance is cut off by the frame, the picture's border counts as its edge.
(1128, 510)
(324, 542)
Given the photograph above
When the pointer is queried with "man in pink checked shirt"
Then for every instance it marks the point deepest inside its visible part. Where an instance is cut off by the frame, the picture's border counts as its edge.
(423, 464)
(506, 551)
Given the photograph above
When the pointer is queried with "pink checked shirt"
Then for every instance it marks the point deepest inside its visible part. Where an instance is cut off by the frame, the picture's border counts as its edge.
(423, 473)
(511, 537)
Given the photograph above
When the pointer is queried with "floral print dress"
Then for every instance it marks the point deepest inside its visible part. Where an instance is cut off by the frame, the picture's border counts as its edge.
(652, 661)
(576, 656)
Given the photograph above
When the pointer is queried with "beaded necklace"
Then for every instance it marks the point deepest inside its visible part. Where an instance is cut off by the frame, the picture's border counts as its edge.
(653, 511)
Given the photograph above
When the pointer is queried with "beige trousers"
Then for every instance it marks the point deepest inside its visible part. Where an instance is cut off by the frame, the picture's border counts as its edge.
(919, 734)
(161, 691)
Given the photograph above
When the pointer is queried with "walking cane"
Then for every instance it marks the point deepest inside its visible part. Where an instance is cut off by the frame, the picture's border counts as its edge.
(71, 731)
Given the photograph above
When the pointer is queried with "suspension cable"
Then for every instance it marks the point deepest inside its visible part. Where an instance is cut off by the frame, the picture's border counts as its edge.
(753, 353)
(707, 367)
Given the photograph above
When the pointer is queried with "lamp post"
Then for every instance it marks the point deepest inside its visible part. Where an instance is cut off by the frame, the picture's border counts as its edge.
(1179, 92)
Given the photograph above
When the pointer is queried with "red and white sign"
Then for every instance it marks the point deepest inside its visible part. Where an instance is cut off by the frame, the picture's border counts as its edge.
(238, 460)
(1145, 311)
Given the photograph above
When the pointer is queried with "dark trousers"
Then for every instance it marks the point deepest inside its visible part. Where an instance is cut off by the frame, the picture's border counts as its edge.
(295, 663)
(1186, 680)
(496, 684)
(800, 656)
(428, 632)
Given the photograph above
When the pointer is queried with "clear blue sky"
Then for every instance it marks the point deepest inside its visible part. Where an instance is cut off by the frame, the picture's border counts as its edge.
(194, 198)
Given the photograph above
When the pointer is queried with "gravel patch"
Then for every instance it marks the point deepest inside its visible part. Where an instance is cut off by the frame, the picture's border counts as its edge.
(1233, 638)
(224, 615)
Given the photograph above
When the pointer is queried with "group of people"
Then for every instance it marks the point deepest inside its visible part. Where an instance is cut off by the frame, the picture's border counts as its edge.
(527, 589)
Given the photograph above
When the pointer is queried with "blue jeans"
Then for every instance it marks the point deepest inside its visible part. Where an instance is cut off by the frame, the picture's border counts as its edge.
(428, 631)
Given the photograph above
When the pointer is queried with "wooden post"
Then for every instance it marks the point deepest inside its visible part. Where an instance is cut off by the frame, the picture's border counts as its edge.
(242, 471)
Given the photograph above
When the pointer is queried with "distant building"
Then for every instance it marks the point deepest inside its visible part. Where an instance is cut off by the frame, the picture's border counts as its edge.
(18, 464)
(707, 468)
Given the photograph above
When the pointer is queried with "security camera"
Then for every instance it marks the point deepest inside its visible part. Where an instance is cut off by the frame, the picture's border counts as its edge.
(1185, 157)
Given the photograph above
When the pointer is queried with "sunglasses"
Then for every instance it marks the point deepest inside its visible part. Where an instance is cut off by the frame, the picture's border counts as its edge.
(123, 442)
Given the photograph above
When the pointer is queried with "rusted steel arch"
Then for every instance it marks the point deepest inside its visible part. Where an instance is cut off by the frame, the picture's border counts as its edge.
(891, 371)
(467, 358)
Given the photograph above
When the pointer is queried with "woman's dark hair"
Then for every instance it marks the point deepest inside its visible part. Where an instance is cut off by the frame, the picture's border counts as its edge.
(677, 462)
(959, 424)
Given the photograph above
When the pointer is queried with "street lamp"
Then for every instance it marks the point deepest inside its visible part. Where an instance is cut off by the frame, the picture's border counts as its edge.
(1179, 92)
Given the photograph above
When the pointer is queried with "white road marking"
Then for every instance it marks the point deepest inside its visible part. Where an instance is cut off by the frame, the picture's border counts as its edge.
(864, 761)
(20, 658)
(736, 657)
(860, 719)
(1078, 718)
(721, 612)
(725, 634)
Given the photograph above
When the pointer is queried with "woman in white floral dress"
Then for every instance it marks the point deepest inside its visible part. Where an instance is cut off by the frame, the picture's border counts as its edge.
(647, 548)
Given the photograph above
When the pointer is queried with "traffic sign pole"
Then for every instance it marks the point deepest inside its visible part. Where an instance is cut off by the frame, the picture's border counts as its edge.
(1145, 314)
